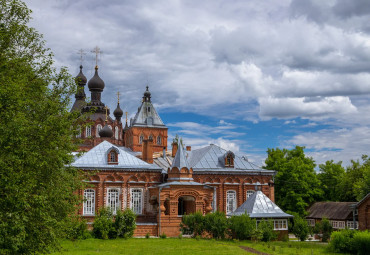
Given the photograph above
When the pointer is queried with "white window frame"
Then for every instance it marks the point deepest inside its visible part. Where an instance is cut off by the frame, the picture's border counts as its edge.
(249, 193)
(280, 225)
(89, 202)
(114, 155)
(159, 140)
(98, 128)
(350, 224)
(338, 224)
(116, 133)
(88, 131)
(230, 201)
(113, 199)
(141, 139)
(310, 222)
(137, 203)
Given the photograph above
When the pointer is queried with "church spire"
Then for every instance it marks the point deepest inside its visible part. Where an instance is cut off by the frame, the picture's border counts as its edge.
(80, 95)
(118, 113)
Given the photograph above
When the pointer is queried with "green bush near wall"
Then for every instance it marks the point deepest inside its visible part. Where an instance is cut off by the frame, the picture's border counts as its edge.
(350, 241)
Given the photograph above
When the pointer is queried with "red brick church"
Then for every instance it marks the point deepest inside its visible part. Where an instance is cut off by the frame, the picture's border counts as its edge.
(133, 168)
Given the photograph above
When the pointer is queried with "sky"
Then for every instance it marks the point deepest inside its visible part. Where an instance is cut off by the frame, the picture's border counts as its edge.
(245, 75)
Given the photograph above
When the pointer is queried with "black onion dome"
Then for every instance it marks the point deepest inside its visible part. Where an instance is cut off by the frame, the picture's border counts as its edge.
(147, 93)
(80, 78)
(96, 83)
(118, 113)
(106, 132)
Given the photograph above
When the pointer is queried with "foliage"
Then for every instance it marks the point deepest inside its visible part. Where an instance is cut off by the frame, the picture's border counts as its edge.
(103, 224)
(147, 235)
(361, 242)
(297, 185)
(300, 228)
(163, 236)
(36, 184)
(216, 224)
(77, 229)
(350, 241)
(125, 223)
(241, 227)
(257, 235)
(267, 228)
(330, 176)
(193, 223)
(326, 229)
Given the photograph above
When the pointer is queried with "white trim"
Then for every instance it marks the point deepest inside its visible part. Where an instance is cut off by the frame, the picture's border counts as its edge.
(141, 205)
(89, 202)
(231, 201)
(280, 225)
(116, 197)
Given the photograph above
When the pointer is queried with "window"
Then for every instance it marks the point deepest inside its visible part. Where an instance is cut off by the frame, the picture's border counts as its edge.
(159, 140)
(88, 131)
(311, 222)
(116, 133)
(151, 137)
(113, 200)
(280, 225)
(229, 159)
(230, 201)
(89, 202)
(250, 193)
(112, 156)
(141, 139)
(136, 201)
(98, 128)
(78, 132)
(350, 224)
(148, 108)
(338, 224)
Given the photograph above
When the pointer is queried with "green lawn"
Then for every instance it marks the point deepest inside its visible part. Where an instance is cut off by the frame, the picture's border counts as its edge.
(175, 246)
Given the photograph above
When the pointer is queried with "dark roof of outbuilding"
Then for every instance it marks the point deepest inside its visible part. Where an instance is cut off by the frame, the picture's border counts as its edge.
(363, 200)
(331, 210)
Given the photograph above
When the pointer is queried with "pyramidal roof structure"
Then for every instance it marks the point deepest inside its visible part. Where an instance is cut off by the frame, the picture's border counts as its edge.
(259, 205)
(180, 160)
(97, 158)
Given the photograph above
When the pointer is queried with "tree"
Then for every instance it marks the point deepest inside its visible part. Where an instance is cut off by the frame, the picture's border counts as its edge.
(36, 185)
(330, 176)
(300, 228)
(296, 182)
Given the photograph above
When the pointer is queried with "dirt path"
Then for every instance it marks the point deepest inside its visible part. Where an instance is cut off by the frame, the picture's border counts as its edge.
(249, 249)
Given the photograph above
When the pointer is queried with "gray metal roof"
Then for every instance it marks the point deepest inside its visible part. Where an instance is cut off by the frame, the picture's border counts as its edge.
(180, 160)
(97, 157)
(259, 205)
(177, 183)
(147, 116)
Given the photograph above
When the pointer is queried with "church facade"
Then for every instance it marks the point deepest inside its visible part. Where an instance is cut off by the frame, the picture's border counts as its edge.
(130, 166)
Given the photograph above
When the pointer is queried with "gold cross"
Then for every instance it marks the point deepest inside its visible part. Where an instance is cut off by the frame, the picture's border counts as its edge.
(118, 95)
(106, 113)
(82, 53)
(97, 51)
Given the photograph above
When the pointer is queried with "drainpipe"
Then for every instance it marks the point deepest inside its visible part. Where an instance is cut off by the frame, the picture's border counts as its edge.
(160, 212)
(214, 199)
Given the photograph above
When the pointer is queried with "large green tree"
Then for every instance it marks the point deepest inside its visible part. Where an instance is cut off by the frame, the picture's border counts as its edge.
(36, 185)
(331, 174)
(296, 183)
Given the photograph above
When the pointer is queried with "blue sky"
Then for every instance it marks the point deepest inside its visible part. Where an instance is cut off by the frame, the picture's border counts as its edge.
(246, 75)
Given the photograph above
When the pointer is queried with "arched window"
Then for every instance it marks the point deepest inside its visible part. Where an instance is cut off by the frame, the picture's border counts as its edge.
(78, 132)
(88, 131)
(230, 201)
(229, 159)
(113, 200)
(98, 128)
(116, 133)
(250, 193)
(137, 201)
(151, 137)
(159, 140)
(112, 156)
(141, 139)
(89, 202)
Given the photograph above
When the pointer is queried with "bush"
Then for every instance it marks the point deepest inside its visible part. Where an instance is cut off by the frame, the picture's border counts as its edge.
(125, 223)
(147, 236)
(193, 224)
(241, 227)
(216, 224)
(342, 241)
(163, 236)
(361, 242)
(103, 225)
(326, 229)
(77, 229)
(267, 228)
(300, 228)
(257, 235)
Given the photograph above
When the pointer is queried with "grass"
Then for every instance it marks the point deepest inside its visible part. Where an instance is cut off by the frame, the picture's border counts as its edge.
(184, 246)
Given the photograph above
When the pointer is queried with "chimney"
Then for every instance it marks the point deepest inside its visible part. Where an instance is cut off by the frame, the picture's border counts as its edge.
(147, 154)
(188, 148)
(164, 152)
(174, 149)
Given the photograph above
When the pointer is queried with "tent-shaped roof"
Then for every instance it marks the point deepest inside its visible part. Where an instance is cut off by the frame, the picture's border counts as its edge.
(97, 158)
(259, 205)
(147, 116)
(180, 160)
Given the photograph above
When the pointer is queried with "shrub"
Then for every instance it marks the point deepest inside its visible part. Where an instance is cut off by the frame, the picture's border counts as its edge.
(241, 227)
(180, 236)
(193, 224)
(103, 225)
(216, 224)
(285, 238)
(342, 241)
(163, 236)
(147, 236)
(257, 235)
(267, 228)
(77, 229)
(300, 228)
(361, 242)
(326, 229)
(125, 223)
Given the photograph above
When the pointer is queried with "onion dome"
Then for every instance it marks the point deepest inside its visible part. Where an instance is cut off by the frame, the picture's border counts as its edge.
(118, 113)
(106, 132)
(81, 78)
(96, 83)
